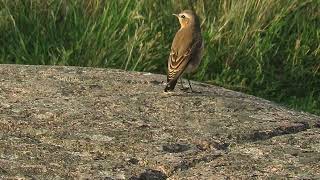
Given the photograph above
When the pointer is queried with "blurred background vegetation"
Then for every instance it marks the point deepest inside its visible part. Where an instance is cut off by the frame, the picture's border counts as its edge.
(268, 48)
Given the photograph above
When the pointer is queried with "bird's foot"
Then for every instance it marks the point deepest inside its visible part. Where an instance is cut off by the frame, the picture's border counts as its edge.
(196, 92)
(184, 89)
(188, 90)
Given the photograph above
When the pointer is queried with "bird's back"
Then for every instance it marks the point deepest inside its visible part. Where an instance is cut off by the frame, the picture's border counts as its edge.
(180, 43)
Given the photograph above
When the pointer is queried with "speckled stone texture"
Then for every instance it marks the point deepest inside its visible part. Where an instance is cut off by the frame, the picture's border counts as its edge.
(87, 123)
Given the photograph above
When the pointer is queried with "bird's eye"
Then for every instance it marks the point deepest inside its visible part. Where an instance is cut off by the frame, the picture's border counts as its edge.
(183, 16)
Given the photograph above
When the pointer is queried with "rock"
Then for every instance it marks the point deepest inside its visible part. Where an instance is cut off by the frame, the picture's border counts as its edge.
(89, 123)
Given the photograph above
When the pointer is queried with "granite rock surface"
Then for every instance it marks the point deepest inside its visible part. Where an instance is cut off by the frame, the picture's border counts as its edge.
(89, 123)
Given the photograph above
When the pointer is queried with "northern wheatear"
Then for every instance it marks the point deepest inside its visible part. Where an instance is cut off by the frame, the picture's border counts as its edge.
(186, 50)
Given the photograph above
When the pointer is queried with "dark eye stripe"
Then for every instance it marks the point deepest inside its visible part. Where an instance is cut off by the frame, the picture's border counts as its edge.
(183, 16)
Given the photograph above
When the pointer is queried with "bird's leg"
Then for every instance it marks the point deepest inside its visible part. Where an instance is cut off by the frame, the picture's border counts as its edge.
(186, 88)
(181, 82)
(190, 85)
(182, 87)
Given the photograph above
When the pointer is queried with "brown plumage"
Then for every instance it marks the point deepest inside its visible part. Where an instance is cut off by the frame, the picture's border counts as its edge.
(186, 49)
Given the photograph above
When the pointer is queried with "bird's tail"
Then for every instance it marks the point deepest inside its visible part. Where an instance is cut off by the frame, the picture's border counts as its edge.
(170, 85)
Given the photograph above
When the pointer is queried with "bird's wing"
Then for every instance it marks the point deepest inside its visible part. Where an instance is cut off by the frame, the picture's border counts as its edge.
(178, 61)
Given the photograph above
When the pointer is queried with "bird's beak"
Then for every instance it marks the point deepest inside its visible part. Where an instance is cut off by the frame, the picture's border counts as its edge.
(176, 15)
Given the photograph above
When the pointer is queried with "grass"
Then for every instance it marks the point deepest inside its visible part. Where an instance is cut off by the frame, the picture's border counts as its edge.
(268, 48)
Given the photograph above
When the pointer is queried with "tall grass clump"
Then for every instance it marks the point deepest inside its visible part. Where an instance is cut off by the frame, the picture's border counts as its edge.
(268, 48)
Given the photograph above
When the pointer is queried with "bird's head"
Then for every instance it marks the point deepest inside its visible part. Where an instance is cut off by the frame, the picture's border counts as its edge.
(187, 18)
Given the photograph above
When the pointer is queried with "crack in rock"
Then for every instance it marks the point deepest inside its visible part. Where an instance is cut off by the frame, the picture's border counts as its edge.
(175, 148)
(150, 174)
(187, 164)
(279, 131)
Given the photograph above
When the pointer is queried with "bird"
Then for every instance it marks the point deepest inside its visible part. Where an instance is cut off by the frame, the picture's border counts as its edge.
(186, 49)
